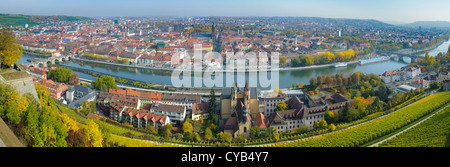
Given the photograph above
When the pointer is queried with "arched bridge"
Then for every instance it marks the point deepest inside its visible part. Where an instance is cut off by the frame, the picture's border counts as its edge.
(402, 53)
(50, 60)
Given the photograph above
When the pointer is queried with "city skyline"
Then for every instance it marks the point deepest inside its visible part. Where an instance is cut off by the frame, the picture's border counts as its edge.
(400, 11)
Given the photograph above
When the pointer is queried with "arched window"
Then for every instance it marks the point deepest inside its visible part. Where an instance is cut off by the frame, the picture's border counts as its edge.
(245, 129)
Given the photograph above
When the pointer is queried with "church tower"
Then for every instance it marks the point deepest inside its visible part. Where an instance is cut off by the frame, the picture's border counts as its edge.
(247, 94)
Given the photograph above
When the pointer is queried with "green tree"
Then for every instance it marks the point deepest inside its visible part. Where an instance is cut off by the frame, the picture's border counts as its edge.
(316, 125)
(166, 131)
(283, 61)
(312, 83)
(329, 116)
(104, 83)
(212, 107)
(10, 49)
(349, 114)
(255, 132)
(60, 74)
(383, 92)
(323, 124)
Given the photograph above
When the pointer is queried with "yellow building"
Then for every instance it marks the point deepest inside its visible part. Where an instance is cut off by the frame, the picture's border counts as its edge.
(239, 106)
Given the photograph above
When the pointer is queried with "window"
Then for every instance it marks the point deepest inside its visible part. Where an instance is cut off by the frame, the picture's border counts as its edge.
(245, 129)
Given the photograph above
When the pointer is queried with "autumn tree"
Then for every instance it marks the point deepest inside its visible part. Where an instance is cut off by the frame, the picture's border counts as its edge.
(281, 106)
(224, 137)
(93, 134)
(330, 116)
(208, 134)
(12, 104)
(323, 124)
(74, 79)
(361, 103)
(332, 127)
(187, 129)
(10, 49)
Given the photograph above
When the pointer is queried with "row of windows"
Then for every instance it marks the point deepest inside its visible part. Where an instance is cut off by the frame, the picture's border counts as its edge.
(276, 101)
(293, 122)
(290, 127)
(314, 117)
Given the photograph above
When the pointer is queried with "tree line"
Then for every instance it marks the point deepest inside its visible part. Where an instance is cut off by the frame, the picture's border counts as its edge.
(324, 58)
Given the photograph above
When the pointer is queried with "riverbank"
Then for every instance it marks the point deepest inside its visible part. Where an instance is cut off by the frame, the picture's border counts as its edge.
(206, 92)
(130, 83)
(421, 50)
(226, 70)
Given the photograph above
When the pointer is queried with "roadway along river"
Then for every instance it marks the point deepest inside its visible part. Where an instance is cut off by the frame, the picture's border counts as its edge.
(286, 78)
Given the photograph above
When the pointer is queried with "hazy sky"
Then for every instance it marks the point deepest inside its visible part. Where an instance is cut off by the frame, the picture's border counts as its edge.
(384, 10)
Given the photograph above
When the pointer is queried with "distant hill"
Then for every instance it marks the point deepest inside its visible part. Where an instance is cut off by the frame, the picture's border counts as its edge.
(14, 20)
(429, 24)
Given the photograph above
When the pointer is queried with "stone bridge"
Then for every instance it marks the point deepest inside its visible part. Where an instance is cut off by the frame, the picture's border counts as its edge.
(411, 54)
(50, 60)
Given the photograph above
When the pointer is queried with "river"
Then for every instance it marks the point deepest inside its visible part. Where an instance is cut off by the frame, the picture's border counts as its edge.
(286, 78)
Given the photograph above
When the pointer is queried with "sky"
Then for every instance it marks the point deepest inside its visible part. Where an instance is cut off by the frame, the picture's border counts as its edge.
(402, 11)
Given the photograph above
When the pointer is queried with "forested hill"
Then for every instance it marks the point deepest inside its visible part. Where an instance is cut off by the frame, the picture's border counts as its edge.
(429, 24)
(14, 20)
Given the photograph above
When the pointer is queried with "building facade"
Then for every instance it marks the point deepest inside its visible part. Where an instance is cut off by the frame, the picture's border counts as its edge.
(238, 107)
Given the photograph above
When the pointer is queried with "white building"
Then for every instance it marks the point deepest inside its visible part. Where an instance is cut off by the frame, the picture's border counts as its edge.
(297, 92)
(298, 114)
(269, 102)
(412, 72)
(77, 94)
(393, 76)
(404, 88)
(177, 114)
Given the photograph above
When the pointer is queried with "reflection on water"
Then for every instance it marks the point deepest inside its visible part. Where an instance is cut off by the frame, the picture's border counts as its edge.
(286, 78)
